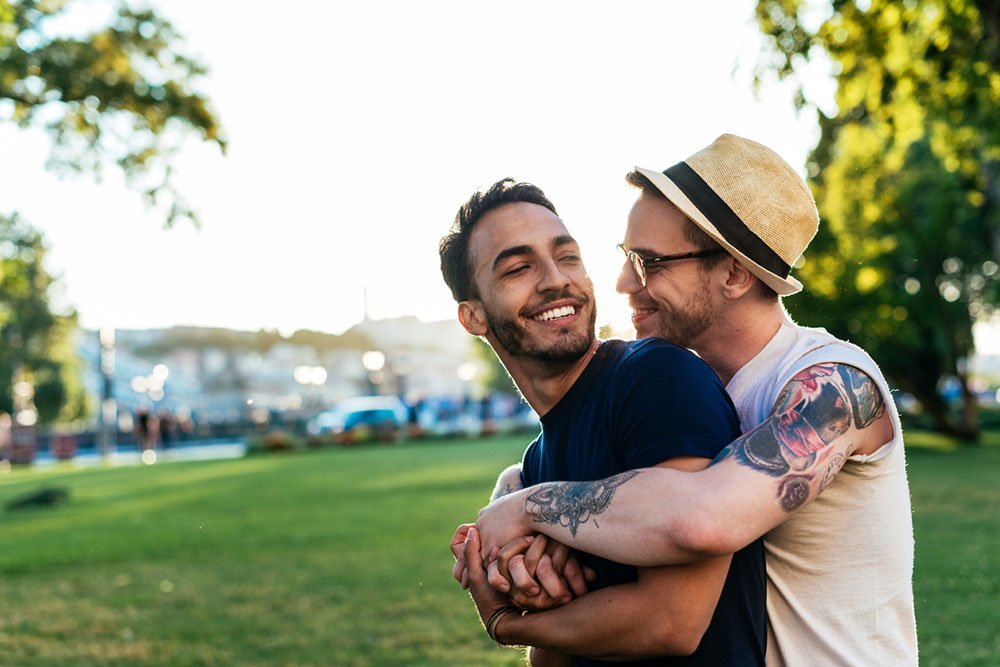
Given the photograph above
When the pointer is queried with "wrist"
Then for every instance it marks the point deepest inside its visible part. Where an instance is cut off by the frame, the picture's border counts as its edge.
(500, 617)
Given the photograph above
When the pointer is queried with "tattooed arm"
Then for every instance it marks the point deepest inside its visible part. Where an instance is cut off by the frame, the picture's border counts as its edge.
(509, 481)
(658, 516)
(666, 611)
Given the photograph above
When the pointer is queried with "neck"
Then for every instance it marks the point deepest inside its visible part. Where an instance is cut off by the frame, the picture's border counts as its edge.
(543, 384)
(739, 336)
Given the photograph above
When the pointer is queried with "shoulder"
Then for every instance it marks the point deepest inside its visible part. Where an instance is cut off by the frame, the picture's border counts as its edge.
(653, 373)
(649, 354)
(837, 398)
(676, 372)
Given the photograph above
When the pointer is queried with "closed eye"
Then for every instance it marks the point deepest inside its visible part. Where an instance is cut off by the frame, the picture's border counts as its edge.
(514, 271)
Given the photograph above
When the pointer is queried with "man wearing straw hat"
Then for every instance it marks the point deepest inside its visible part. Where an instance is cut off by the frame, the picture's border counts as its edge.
(820, 469)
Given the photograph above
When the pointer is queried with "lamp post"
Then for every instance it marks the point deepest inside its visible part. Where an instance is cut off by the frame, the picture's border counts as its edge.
(108, 415)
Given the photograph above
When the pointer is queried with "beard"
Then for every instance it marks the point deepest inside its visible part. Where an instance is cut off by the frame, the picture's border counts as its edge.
(684, 327)
(519, 343)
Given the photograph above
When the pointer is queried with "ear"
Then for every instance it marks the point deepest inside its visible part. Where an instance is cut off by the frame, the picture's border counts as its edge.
(472, 317)
(738, 279)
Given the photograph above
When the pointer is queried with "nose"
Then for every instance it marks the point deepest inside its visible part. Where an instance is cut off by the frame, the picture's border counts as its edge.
(628, 281)
(553, 277)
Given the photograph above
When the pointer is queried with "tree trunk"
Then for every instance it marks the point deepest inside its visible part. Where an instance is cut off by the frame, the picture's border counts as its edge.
(942, 417)
(970, 412)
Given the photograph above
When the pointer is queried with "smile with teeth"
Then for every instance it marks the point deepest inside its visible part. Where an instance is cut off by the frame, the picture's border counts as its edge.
(556, 312)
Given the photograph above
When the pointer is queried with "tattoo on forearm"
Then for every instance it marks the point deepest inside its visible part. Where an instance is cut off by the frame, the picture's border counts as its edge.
(572, 504)
(819, 405)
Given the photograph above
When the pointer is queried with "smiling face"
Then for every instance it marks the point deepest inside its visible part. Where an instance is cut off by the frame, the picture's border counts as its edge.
(677, 301)
(535, 300)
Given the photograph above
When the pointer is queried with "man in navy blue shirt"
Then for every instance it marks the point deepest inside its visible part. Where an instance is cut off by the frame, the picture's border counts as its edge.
(606, 408)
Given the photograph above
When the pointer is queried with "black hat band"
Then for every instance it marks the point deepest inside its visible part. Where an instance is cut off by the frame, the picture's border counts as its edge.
(732, 228)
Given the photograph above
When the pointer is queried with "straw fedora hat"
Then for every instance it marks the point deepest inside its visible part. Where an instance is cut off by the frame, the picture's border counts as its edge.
(750, 201)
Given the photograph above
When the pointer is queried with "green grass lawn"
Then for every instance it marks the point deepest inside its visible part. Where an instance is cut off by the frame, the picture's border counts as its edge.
(340, 557)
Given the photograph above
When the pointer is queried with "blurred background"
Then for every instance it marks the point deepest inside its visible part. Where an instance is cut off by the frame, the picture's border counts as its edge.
(214, 215)
(218, 237)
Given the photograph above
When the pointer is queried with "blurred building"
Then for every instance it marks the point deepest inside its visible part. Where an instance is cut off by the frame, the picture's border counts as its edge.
(224, 375)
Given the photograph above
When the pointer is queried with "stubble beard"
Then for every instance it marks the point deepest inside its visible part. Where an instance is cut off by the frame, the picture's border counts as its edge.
(519, 344)
(685, 327)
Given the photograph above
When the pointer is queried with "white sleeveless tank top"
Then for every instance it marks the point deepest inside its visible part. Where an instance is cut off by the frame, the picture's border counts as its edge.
(840, 569)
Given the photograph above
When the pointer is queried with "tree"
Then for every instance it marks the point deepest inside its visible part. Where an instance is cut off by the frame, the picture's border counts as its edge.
(35, 343)
(907, 180)
(120, 95)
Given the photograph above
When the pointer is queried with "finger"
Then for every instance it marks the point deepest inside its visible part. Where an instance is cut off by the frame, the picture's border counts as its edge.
(473, 564)
(458, 571)
(514, 547)
(458, 539)
(572, 572)
(458, 550)
(589, 574)
(508, 551)
(551, 581)
(521, 578)
(540, 602)
(465, 580)
(497, 580)
(535, 552)
(559, 555)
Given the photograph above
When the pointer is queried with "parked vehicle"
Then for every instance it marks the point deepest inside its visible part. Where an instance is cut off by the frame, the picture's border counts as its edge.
(362, 418)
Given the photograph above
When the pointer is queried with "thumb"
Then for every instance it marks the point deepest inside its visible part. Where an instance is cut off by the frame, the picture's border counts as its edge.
(473, 561)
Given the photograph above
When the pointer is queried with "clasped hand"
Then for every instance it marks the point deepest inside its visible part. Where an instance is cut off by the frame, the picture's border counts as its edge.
(535, 572)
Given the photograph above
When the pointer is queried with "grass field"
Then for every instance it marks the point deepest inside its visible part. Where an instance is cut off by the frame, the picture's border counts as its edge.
(339, 557)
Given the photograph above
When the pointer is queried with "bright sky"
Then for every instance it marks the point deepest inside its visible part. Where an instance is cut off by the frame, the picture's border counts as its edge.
(357, 129)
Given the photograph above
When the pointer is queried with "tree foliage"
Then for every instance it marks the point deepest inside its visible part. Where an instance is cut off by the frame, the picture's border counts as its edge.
(907, 179)
(121, 94)
(35, 343)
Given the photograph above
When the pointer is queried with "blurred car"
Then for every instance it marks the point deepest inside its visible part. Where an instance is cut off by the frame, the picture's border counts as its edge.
(360, 419)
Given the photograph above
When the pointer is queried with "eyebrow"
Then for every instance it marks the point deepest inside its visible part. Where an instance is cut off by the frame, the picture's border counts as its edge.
(645, 252)
(514, 251)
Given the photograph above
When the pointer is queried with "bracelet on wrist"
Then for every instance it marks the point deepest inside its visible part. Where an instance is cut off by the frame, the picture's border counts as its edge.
(494, 621)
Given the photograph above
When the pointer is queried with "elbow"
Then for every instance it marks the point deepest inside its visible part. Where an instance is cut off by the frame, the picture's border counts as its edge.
(699, 537)
(681, 639)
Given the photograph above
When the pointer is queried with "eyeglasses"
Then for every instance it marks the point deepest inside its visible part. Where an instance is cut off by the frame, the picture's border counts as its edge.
(639, 263)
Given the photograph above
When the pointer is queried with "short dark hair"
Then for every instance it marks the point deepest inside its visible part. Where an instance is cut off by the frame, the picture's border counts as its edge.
(695, 235)
(454, 247)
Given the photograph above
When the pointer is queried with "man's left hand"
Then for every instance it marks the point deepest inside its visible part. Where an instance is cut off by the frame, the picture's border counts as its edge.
(488, 600)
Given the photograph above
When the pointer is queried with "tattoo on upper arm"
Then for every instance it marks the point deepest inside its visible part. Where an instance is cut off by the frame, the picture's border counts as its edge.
(818, 406)
(866, 399)
(572, 504)
(501, 492)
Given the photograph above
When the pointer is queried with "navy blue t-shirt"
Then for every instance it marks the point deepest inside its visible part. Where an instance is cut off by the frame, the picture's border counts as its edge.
(636, 405)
